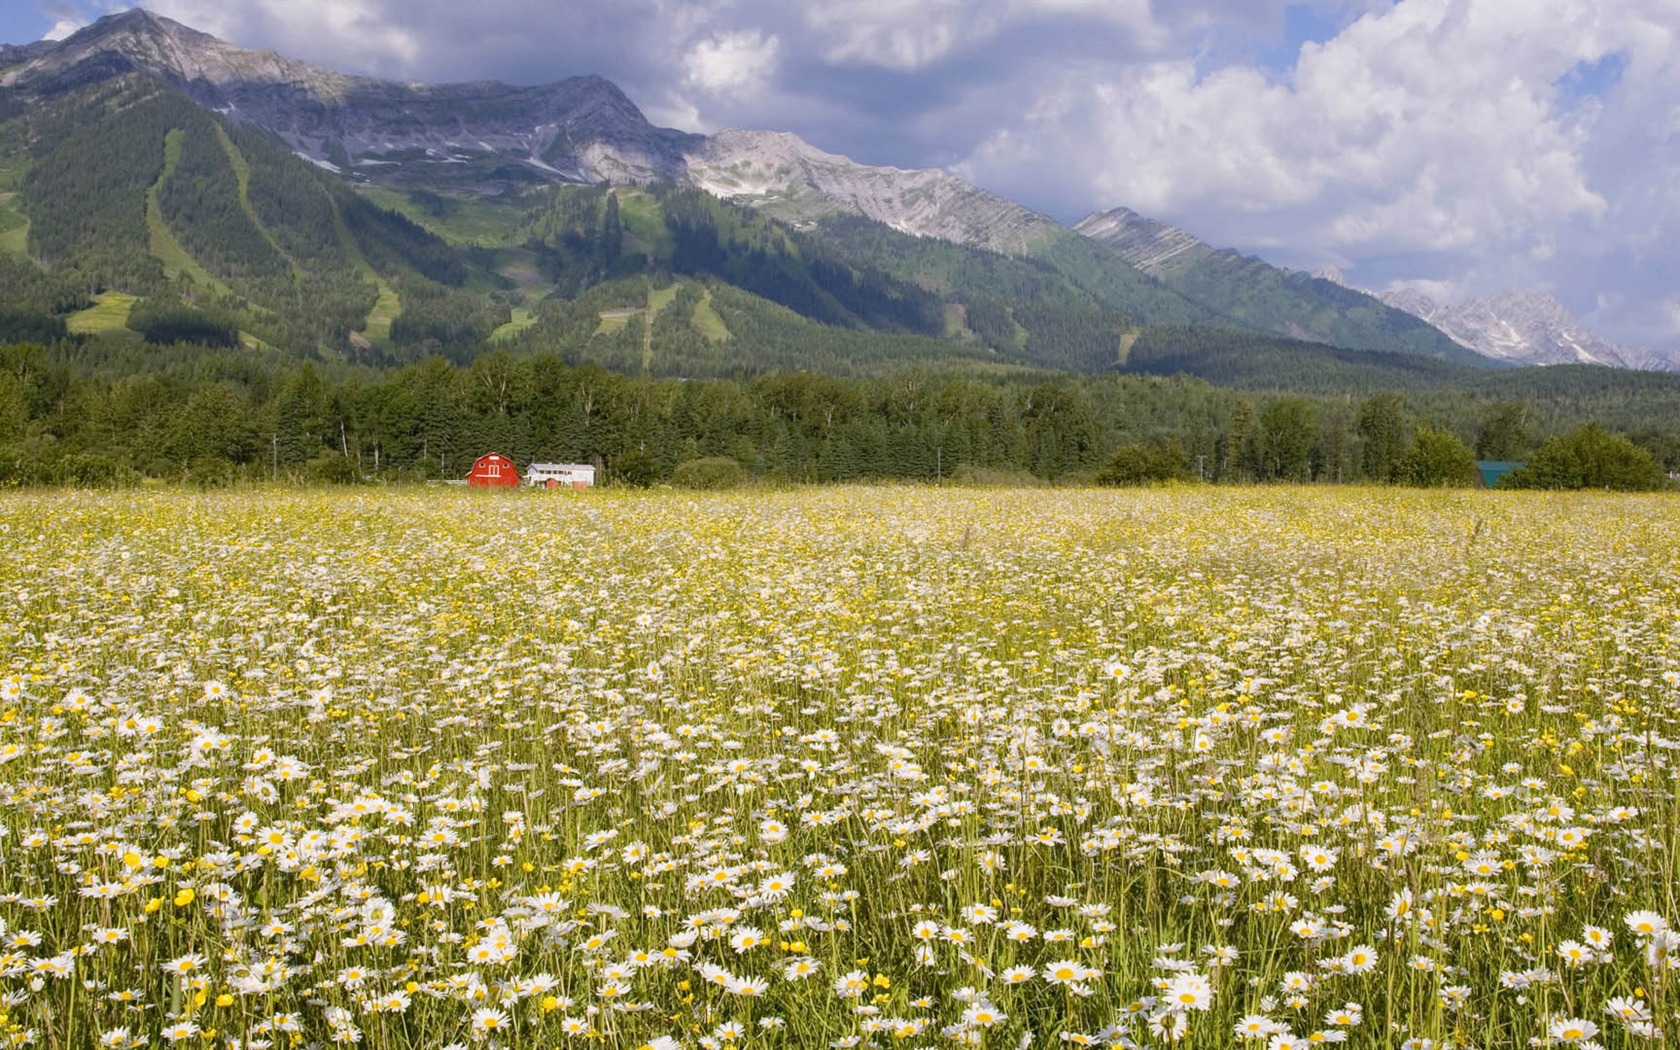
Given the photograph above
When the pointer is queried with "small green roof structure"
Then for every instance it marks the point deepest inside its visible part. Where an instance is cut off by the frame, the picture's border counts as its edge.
(1490, 471)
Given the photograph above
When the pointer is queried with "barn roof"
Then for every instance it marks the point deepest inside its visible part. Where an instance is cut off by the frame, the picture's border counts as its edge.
(1491, 471)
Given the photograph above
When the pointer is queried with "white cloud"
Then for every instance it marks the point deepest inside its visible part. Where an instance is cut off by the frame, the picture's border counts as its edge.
(369, 35)
(63, 28)
(732, 64)
(1427, 127)
(1445, 133)
(897, 34)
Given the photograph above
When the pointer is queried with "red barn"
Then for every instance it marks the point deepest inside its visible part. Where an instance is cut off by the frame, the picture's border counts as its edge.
(493, 471)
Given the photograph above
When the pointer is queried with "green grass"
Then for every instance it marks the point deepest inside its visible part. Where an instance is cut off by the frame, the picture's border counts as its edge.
(14, 227)
(956, 322)
(242, 172)
(163, 245)
(109, 313)
(1127, 339)
(377, 328)
(659, 299)
(522, 319)
(615, 320)
(487, 222)
(644, 221)
(519, 265)
(706, 320)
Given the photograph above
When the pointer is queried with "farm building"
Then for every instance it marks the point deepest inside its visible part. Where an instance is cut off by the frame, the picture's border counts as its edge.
(1490, 471)
(561, 475)
(493, 470)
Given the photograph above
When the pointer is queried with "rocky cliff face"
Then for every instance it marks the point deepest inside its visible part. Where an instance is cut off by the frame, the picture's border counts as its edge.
(1153, 247)
(491, 136)
(1525, 327)
(788, 177)
(582, 129)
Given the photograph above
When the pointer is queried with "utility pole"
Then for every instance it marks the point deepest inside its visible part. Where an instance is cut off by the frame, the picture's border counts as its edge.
(275, 470)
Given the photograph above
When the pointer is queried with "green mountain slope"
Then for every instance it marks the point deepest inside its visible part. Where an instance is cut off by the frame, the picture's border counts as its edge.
(1265, 297)
(128, 187)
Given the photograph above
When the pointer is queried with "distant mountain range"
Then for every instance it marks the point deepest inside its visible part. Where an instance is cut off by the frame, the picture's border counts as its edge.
(1526, 327)
(440, 215)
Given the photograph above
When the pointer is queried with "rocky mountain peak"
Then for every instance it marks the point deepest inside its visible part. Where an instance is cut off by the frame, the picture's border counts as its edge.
(1525, 326)
(1153, 247)
(784, 175)
(484, 136)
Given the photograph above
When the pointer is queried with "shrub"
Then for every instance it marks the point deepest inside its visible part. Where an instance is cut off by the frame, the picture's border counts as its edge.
(1589, 457)
(634, 468)
(91, 470)
(713, 472)
(1144, 464)
(1436, 459)
(333, 469)
(211, 472)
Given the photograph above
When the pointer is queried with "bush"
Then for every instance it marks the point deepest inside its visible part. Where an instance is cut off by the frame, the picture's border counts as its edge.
(1589, 457)
(332, 469)
(713, 472)
(91, 470)
(634, 468)
(211, 472)
(1437, 459)
(1141, 464)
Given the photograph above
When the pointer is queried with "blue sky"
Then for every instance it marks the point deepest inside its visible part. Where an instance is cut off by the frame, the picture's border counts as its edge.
(1458, 146)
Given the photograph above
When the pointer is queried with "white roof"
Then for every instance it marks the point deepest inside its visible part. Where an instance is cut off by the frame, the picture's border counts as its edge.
(559, 467)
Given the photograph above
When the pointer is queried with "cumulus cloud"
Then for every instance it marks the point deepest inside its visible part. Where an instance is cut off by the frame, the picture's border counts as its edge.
(1468, 139)
(367, 35)
(63, 28)
(732, 63)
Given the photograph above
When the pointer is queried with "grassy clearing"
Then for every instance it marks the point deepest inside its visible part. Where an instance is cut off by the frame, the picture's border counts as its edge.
(616, 320)
(868, 766)
(706, 320)
(109, 313)
(519, 265)
(1128, 339)
(163, 245)
(377, 328)
(522, 319)
(487, 222)
(14, 225)
(956, 322)
(14, 228)
(242, 172)
(659, 299)
(644, 222)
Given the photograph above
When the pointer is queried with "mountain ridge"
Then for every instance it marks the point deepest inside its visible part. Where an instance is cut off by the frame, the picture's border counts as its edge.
(1263, 296)
(485, 140)
(581, 129)
(1526, 326)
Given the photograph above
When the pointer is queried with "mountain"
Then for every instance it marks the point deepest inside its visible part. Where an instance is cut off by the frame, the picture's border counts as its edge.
(1267, 297)
(786, 176)
(318, 212)
(1527, 328)
(486, 136)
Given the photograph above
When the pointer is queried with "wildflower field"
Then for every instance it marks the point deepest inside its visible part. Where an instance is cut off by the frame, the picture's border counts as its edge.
(847, 767)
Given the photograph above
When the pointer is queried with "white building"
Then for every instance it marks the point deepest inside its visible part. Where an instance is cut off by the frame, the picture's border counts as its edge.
(560, 475)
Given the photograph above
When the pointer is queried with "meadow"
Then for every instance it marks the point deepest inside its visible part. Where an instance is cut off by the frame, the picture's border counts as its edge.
(895, 767)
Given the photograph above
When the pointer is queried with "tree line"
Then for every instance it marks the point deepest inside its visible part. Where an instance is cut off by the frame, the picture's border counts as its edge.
(85, 414)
